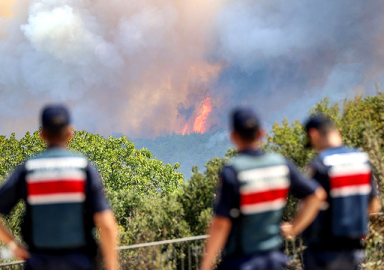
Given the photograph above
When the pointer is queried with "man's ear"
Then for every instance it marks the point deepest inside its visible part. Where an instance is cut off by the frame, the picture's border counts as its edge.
(70, 132)
(236, 140)
(43, 135)
(260, 134)
(233, 136)
(314, 134)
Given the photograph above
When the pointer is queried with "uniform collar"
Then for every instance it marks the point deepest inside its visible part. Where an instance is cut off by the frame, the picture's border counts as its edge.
(56, 147)
(332, 148)
(252, 152)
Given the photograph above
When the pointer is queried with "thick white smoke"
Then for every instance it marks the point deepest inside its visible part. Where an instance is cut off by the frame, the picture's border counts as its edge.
(122, 66)
(144, 67)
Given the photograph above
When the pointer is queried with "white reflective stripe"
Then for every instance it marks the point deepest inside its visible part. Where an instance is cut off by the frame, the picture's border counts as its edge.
(255, 174)
(338, 159)
(350, 190)
(56, 198)
(280, 182)
(53, 175)
(260, 173)
(57, 162)
(349, 169)
(263, 207)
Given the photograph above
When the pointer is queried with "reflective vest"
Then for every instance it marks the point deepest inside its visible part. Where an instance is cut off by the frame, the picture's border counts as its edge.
(56, 190)
(349, 175)
(346, 174)
(263, 187)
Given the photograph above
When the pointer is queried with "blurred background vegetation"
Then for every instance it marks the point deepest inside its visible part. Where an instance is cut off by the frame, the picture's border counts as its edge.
(153, 201)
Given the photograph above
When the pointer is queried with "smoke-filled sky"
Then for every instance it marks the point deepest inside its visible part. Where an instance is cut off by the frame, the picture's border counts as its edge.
(145, 67)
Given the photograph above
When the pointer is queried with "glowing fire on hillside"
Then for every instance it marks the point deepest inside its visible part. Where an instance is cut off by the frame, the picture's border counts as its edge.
(185, 129)
(200, 122)
(199, 126)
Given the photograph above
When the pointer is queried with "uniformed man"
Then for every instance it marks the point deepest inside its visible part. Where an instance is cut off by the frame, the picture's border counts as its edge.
(64, 201)
(253, 194)
(334, 238)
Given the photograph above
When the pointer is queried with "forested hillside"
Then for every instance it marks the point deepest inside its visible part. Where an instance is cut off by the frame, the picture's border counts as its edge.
(190, 150)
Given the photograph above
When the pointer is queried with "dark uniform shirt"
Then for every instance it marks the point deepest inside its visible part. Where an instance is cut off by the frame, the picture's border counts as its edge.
(15, 189)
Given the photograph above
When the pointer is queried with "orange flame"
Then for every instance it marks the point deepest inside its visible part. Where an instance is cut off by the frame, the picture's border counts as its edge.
(185, 129)
(199, 126)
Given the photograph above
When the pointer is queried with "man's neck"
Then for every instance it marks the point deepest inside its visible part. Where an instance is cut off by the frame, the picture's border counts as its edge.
(332, 142)
(57, 145)
(246, 147)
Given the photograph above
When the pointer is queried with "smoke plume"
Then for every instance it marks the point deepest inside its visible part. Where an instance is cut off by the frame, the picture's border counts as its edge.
(145, 67)
(283, 56)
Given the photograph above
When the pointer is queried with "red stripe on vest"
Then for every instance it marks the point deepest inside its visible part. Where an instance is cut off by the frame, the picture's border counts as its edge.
(350, 180)
(54, 187)
(263, 197)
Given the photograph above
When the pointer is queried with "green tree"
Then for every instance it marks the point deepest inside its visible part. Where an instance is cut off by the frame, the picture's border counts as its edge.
(13, 151)
(289, 140)
(122, 166)
(198, 194)
(147, 218)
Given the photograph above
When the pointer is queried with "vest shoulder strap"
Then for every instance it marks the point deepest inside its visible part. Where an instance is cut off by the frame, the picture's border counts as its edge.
(244, 162)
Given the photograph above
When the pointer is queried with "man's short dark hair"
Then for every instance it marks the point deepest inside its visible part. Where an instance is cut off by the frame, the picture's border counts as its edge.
(245, 122)
(55, 119)
(320, 122)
